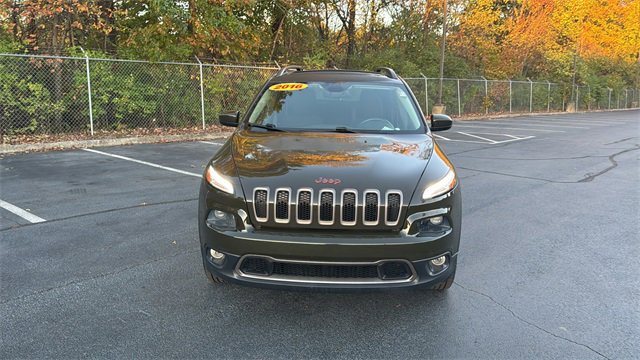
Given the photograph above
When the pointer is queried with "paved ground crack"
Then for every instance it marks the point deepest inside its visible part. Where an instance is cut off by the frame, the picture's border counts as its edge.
(521, 319)
(98, 276)
(614, 164)
(587, 178)
(621, 140)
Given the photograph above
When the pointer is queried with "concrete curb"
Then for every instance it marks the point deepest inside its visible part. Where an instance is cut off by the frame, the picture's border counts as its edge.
(62, 145)
(500, 116)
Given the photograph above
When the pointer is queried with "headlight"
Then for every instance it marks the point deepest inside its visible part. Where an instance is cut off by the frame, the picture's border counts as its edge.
(442, 186)
(218, 181)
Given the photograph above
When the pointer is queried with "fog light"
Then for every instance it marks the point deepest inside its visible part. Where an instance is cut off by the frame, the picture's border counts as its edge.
(436, 220)
(221, 220)
(439, 261)
(438, 265)
(216, 256)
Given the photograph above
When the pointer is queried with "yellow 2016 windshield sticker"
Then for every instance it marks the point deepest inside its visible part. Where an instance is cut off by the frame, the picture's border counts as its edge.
(288, 87)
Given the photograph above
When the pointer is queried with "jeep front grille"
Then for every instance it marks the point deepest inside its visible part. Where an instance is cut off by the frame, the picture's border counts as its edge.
(326, 207)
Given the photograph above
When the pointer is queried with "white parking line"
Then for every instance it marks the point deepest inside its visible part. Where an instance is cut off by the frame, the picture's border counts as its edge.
(483, 140)
(441, 137)
(20, 212)
(471, 141)
(211, 143)
(507, 128)
(478, 137)
(516, 139)
(508, 135)
(143, 162)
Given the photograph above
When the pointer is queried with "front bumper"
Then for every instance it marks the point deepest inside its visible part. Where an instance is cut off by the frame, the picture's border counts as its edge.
(332, 248)
(421, 277)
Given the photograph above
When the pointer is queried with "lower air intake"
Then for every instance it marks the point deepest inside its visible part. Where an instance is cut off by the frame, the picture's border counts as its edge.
(256, 266)
(286, 270)
(325, 271)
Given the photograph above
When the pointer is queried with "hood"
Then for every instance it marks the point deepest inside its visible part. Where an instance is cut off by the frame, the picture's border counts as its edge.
(330, 160)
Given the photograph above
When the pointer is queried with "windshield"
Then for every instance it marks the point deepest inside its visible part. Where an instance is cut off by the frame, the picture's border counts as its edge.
(322, 106)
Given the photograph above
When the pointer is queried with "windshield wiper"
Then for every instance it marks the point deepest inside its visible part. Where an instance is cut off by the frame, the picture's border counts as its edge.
(343, 129)
(269, 127)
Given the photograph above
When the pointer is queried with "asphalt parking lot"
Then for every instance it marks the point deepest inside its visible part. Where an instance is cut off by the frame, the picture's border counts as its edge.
(99, 257)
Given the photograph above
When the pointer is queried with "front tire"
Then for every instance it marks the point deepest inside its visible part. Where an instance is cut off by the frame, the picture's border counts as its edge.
(213, 279)
(444, 285)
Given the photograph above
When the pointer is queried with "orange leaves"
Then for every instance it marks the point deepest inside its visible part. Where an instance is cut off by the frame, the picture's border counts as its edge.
(82, 8)
(513, 37)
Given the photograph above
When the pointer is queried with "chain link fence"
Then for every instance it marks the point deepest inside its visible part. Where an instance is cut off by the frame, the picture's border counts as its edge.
(483, 96)
(81, 95)
(57, 95)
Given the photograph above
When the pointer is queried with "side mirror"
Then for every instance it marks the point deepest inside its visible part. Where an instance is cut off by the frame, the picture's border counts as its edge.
(229, 119)
(440, 122)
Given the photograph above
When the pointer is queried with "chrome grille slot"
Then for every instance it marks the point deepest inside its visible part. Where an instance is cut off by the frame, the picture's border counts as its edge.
(326, 207)
(349, 207)
(371, 207)
(260, 203)
(282, 205)
(304, 208)
(393, 205)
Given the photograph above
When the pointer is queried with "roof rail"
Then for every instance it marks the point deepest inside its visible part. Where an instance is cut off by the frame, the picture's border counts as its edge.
(288, 69)
(387, 72)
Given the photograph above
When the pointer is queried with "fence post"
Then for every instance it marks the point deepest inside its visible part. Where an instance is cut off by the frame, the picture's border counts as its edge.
(625, 98)
(486, 94)
(577, 96)
(510, 95)
(608, 88)
(548, 96)
(86, 59)
(201, 93)
(530, 95)
(589, 98)
(459, 101)
(426, 94)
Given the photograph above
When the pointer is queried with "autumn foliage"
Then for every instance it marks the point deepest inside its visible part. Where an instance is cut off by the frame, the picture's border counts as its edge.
(543, 39)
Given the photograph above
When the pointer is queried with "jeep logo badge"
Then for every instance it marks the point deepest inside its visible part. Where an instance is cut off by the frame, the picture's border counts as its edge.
(323, 180)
